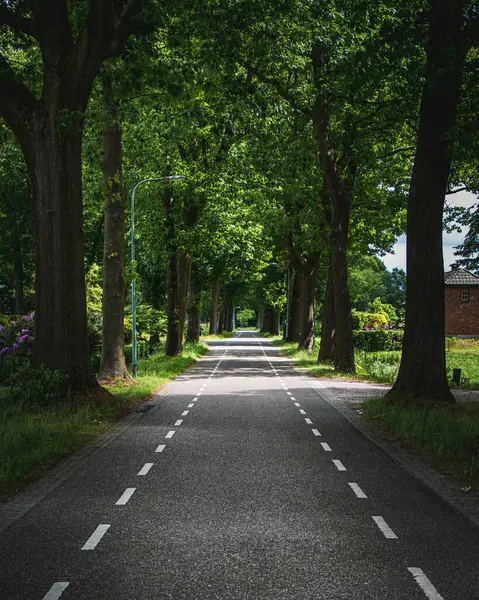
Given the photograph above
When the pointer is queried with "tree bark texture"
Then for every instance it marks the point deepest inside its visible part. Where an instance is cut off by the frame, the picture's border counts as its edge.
(226, 315)
(49, 130)
(422, 372)
(344, 349)
(294, 309)
(194, 310)
(326, 349)
(307, 302)
(177, 283)
(215, 296)
(274, 321)
(113, 363)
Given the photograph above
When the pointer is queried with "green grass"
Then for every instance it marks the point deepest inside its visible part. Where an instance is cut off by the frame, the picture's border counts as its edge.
(451, 434)
(382, 367)
(31, 438)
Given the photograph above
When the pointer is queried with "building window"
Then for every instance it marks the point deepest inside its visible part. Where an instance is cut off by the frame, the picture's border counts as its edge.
(465, 295)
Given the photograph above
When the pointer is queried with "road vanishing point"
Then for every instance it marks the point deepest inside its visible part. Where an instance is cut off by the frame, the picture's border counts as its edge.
(240, 481)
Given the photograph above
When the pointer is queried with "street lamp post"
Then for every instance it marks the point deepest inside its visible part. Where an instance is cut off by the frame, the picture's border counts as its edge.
(234, 316)
(134, 344)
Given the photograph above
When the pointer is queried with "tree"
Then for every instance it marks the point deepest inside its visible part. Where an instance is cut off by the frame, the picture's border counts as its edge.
(422, 372)
(73, 43)
(113, 363)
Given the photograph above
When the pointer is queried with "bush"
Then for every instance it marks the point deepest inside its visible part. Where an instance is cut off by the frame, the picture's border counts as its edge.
(366, 320)
(378, 339)
(95, 324)
(38, 385)
(149, 321)
(143, 350)
(377, 306)
(16, 343)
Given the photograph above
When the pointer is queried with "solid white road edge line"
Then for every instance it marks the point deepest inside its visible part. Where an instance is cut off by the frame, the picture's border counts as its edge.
(170, 434)
(326, 447)
(357, 490)
(95, 537)
(339, 465)
(424, 583)
(384, 527)
(56, 590)
(145, 469)
(160, 448)
(123, 499)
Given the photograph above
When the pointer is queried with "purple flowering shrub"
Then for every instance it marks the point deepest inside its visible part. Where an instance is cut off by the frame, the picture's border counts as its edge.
(16, 344)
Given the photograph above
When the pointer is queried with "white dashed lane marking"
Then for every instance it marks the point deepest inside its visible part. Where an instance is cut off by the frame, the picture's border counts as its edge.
(316, 432)
(56, 590)
(384, 527)
(326, 447)
(95, 537)
(195, 399)
(339, 465)
(178, 423)
(302, 412)
(357, 490)
(145, 469)
(123, 499)
(289, 393)
(308, 421)
(160, 448)
(170, 434)
(298, 404)
(424, 583)
(184, 413)
(190, 405)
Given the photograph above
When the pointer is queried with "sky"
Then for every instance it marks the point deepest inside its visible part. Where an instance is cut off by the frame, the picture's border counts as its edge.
(398, 257)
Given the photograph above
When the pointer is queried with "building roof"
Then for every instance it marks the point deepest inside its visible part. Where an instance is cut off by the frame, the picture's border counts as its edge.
(460, 277)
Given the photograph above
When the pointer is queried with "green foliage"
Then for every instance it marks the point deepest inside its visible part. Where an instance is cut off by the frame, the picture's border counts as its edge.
(367, 320)
(94, 289)
(388, 310)
(149, 321)
(143, 351)
(244, 316)
(379, 339)
(38, 386)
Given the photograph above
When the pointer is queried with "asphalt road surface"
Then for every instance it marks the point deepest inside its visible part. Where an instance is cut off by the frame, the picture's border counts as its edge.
(241, 483)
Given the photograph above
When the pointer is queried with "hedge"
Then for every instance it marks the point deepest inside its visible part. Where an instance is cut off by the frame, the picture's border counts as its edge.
(378, 339)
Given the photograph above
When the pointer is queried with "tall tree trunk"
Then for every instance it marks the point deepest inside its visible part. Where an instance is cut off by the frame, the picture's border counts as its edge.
(274, 322)
(422, 372)
(113, 363)
(295, 303)
(326, 349)
(184, 264)
(229, 315)
(19, 275)
(194, 310)
(224, 314)
(266, 320)
(307, 302)
(344, 349)
(61, 335)
(215, 296)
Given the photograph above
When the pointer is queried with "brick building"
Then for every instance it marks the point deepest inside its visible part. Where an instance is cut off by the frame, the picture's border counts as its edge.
(462, 303)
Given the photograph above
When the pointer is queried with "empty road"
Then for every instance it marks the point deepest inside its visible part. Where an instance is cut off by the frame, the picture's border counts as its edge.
(241, 483)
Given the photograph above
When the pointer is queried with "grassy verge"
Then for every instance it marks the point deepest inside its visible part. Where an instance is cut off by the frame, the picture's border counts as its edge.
(32, 438)
(449, 435)
(382, 367)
